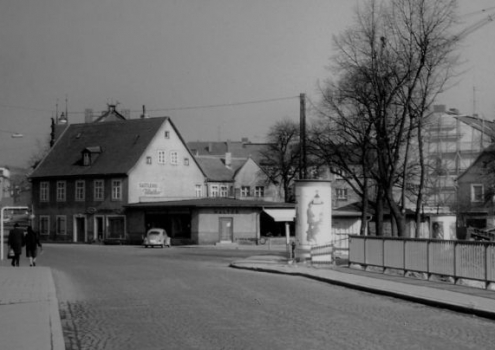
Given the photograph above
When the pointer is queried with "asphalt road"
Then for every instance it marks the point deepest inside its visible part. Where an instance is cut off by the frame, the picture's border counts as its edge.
(127, 297)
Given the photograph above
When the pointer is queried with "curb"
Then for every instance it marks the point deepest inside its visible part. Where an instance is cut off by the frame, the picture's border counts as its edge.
(57, 335)
(468, 307)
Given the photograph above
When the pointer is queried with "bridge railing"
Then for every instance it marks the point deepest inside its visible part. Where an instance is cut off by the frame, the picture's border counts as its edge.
(457, 259)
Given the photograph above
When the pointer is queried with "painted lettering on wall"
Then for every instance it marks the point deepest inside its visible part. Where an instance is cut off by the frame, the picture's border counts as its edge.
(150, 188)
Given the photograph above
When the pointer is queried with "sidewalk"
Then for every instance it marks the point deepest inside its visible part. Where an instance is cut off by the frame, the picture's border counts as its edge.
(29, 316)
(470, 300)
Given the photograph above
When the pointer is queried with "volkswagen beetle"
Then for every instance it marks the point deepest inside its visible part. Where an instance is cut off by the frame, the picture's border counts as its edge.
(156, 237)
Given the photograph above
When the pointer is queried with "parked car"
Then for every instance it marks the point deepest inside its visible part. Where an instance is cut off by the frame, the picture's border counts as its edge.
(156, 237)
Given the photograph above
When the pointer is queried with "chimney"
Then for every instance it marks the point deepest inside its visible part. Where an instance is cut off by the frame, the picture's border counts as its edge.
(88, 115)
(228, 160)
(144, 115)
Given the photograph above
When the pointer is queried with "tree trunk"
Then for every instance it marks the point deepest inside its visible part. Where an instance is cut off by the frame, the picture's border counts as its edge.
(364, 210)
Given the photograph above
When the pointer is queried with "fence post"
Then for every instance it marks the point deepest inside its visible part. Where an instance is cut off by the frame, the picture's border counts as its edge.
(364, 245)
(428, 260)
(455, 259)
(486, 266)
(404, 256)
(383, 253)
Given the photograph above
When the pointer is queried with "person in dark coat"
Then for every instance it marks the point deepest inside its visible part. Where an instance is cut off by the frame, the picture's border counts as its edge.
(32, 239)
(16, 242)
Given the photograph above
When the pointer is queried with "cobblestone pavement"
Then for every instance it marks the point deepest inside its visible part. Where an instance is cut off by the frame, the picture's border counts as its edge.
(130, 298)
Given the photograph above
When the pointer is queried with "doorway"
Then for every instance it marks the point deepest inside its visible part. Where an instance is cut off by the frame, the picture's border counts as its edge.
(80, 228)
(226, 229)
(99, 228)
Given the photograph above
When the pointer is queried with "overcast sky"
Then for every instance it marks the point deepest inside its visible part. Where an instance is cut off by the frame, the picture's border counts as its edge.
(254, 56)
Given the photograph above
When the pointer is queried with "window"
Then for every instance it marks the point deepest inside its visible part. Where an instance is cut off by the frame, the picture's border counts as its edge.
(338, 173)
(61, 185)
(186, 161)
(116, 190)
(214, 190)
(161, 157)
(245, 191)
(477, 193)
(116, 226)
(259, 191)
(199, 191)
(44, 225)
(167, 134)
(86, 158)
(148, 160)
(99, 190)
(44, 191)
(341, 194)
(61, 225)
(174, 158)
(224, 191)
(80, 190)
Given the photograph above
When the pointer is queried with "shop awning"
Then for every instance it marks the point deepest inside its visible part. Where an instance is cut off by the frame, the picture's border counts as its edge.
(281, 215)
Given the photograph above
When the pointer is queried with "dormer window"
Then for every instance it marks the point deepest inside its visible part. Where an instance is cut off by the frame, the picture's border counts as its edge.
(89, 155)
(86, 158)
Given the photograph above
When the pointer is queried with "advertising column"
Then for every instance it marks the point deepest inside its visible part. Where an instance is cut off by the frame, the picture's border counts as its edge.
(313, 215)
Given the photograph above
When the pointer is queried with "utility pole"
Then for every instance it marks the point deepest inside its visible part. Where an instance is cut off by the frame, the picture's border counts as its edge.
(302, 131)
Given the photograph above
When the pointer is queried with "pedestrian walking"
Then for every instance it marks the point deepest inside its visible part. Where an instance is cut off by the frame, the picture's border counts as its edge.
(16, 242)
(32, 243)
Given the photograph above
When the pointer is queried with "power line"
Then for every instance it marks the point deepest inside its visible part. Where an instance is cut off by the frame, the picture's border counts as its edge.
(233, 104)
(223, 104)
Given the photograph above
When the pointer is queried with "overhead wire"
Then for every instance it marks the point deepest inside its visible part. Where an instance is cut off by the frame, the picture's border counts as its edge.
(220, 105)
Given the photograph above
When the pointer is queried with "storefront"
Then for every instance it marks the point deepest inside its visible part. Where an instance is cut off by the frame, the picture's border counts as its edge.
(205, 220)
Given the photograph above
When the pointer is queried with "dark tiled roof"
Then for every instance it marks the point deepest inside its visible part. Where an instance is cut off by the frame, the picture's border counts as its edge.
(238, 149)
(488, 154)
(121, 144)
(236, 164)
(217, 202)
(215, 169)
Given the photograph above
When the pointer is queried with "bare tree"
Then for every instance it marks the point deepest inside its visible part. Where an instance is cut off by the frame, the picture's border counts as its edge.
(389, 66)
(42, 149)
(280, 158)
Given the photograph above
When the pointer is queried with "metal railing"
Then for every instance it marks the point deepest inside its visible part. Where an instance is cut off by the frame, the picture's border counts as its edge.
(326, 254)
(322, 254)
(458, 259)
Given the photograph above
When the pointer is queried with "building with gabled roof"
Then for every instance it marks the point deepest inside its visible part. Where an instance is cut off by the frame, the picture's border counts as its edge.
(453, 141)
(93, 170)
(476, 192)
(113, 178)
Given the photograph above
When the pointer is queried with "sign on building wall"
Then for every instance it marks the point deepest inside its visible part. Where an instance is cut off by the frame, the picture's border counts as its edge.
(150, 189)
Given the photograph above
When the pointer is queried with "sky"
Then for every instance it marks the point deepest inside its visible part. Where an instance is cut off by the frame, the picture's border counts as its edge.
(221, 69)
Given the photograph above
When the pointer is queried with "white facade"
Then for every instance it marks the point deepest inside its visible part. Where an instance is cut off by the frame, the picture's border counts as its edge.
(165, 171)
